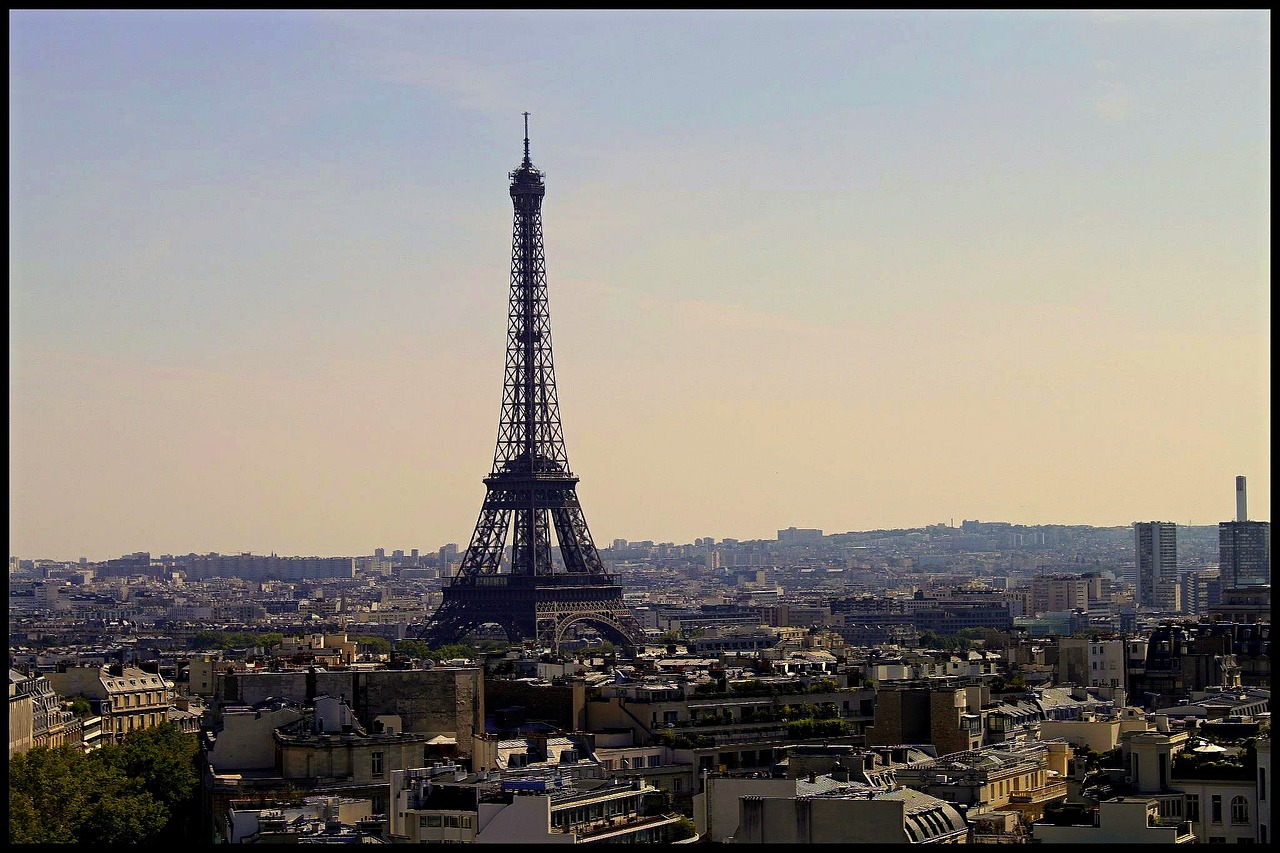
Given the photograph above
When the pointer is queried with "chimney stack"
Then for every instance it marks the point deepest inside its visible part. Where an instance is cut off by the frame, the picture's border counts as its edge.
(1241, 514)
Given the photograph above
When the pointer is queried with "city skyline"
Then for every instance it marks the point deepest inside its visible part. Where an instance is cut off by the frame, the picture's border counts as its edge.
(843, 270)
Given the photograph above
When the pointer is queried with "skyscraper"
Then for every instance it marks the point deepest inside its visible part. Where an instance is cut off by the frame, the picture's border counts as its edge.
(1244, 547)
(1156, 564)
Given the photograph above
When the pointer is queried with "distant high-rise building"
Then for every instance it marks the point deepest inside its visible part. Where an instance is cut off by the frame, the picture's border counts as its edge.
(1244, 547)
(1156, 564)
(1244, 552)
(799, 536)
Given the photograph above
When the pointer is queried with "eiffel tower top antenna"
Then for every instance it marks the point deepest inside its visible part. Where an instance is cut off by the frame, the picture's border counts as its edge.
(527, 162)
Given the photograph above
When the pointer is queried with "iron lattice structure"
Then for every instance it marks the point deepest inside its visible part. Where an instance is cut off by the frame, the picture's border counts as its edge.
(530, 489)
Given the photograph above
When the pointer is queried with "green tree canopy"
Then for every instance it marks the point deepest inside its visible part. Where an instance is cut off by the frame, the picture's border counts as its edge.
(378, 645)
(141, 791)
(413, 649)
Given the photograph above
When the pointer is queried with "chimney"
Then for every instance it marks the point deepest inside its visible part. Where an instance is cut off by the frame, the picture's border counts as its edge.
(1241, 514)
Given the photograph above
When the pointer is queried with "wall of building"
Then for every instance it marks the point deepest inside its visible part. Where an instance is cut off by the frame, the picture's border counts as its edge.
(527, 819)
(246, 741)
(21, 724)
(1119, 822)
(1098, 735)
(442, 700)
(716, 810)
(349, 758)
(771, 820)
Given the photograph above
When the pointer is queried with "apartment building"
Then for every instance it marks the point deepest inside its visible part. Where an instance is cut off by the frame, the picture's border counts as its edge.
(36, 717)
(126, 697)
(446, 804)
(1020, 777)
(900, 816)
(1123, 820)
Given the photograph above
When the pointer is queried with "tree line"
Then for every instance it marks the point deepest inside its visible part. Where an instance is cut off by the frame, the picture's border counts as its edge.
(143, 790)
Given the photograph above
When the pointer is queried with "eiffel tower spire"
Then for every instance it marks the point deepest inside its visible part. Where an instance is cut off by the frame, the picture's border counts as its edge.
(530, 488)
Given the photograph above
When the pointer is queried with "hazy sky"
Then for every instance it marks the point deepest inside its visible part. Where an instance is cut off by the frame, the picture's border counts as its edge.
(845, 270)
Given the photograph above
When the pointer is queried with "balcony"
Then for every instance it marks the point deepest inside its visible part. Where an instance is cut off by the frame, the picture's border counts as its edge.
(1185, 834)
(1043, 794)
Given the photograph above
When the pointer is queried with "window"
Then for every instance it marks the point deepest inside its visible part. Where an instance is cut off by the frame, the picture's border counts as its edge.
(376, 762)
(466, 821)
(1216, 815)
(1239, 810)
(432, 820)
(451, 820)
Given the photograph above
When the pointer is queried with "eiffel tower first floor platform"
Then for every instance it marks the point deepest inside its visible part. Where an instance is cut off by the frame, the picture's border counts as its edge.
(541, 608)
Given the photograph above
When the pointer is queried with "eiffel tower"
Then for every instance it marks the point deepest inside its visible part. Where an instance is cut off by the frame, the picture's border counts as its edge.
(531, 484)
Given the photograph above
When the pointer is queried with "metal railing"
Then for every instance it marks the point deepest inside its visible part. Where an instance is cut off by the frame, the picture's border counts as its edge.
(1039, 795)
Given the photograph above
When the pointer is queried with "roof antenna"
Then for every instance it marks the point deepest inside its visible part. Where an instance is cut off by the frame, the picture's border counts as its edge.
(527, 162)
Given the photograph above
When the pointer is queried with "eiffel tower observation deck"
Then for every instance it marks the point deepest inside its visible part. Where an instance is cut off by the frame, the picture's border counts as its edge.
(531, 489)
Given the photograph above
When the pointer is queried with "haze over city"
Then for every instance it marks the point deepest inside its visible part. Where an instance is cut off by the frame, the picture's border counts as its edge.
(841, 270)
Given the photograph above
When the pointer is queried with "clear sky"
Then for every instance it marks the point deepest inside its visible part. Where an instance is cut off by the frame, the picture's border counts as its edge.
(846, 270)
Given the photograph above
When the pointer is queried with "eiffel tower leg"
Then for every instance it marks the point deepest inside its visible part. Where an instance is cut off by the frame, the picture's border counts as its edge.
(575, 540)
(484, 554)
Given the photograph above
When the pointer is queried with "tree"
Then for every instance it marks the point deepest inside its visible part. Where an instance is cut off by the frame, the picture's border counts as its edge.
(269, 640)
(453, 650)
(24, 824)
(122, 814)
(683, 828)
(140, 791)
(48, 793)
(80, 707)
(163, 758)
(377, 645)
(413, 649)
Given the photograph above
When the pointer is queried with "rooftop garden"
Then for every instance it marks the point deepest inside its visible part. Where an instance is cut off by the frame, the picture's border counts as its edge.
(1236, 763)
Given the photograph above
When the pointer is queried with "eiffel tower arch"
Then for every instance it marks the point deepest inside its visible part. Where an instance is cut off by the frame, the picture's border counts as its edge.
(531, 491)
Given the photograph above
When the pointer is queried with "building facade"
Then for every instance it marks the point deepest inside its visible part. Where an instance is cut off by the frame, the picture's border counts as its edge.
(1244, 552)
(127, 698)
(1156, 564)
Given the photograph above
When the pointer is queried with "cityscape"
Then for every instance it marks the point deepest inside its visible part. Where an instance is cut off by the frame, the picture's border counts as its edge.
(980, 681)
